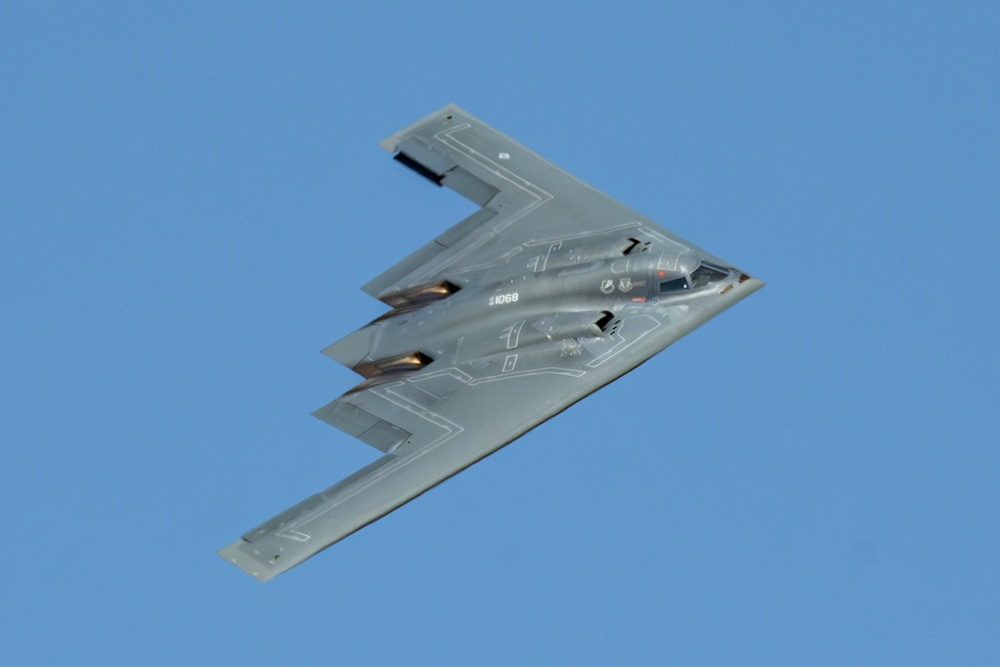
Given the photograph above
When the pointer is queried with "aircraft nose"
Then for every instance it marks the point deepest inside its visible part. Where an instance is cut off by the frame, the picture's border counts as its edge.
(745, 283)
(749, 283)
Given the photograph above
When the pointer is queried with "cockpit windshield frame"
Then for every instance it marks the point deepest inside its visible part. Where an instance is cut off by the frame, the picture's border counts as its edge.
(706, 274)
(675, 285)
(703, 276)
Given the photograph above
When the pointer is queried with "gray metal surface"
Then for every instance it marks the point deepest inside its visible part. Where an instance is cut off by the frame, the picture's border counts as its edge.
(549, 292)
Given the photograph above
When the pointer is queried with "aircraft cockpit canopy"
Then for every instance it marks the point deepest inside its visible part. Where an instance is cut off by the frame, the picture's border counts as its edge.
(706, 275)
(703, 275)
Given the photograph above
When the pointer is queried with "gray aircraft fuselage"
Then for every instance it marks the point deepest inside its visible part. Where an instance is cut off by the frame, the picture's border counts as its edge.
(537, 301)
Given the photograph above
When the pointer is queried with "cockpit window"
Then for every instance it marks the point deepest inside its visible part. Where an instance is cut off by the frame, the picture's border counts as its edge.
(676, 285)
(705, 275)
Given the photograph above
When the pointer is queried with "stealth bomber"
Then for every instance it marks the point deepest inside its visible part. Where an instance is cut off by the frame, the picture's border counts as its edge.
(548, 292)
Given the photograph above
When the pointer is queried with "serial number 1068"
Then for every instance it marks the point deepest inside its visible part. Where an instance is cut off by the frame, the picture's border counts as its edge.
(501, 299)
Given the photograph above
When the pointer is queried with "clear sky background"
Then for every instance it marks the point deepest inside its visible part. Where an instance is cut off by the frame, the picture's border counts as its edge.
(191, 196)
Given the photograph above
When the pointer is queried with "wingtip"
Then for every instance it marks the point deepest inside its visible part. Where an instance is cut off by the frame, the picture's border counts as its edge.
(391, 143)
(235, 554)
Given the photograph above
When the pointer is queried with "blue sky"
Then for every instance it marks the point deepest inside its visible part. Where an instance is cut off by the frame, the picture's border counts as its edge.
(192, 196)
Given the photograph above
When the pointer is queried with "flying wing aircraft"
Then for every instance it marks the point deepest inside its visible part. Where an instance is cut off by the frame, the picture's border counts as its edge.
(548, 292)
